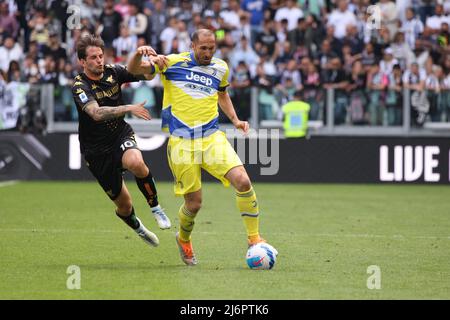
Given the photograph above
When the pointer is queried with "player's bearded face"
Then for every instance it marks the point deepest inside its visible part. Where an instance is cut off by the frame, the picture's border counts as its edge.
(204, 50)
(95, 61)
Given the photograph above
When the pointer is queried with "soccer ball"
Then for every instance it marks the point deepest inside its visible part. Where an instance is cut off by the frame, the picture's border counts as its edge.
(261, 256)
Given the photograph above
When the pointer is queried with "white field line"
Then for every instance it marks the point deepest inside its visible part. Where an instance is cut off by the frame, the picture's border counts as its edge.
(8, 183)
(320, 235)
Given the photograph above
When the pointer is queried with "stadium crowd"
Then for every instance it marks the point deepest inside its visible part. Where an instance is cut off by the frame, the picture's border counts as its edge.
(279, 46)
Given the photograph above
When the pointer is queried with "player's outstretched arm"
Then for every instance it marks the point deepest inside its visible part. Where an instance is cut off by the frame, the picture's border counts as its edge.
(106, 113)
(137, 66)
(227, 107)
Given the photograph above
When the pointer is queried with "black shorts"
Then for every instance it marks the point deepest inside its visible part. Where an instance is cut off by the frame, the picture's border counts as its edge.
(107, 168)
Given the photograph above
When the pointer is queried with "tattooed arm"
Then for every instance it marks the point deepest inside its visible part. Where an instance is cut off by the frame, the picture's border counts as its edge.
(106, 113)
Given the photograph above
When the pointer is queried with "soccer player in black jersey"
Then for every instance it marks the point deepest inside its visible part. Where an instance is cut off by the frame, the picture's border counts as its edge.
(106, 140)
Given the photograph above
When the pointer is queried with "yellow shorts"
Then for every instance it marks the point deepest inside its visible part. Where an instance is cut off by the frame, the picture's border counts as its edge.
(188, 156)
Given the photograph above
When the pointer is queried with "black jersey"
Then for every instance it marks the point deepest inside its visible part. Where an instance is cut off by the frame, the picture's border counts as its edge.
(98, 137)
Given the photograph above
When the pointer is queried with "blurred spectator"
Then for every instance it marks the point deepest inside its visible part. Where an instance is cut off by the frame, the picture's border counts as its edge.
(244, 30)
(136, 21)
(429, 42)
(267, 37)
(291, 72)
(39, 25)
(125, 44)
(158, 20)
(394, 97)
(312, 92)
(285, 93)
(425, 8)
(8, 52)
(368, 57)
(9, 26)
(213, 9)
(244, 52)
(30, 70)
(443, 38)
(183, 37)
(255, 9)
(109, 23)
(282, 30)
(13, 73)
(298, 34)
(241, 90)
(50, 72)
(231, 16)
(283, 54)
(401, 50)
(352, 40)
(389, 16)
(65, 82)
(54, 49)
(414, 80)
(348, 58)
(340, 18)
(90, 12)
(209, 21)
(356, 89)
(291, 12)
(313, 7)
(168, 35)
(414, 77)
(444, 97)
(382, 40)
(402, 7)
(314, 32)
(335, 43)
(123, 8)
(265, 81)
(377, 82)
(335, 78)
(388, 61)
(434, 22)
(433, 90)
(60, 14)
(185, 13)
(412, 27)
(421, 53)
(324, 56)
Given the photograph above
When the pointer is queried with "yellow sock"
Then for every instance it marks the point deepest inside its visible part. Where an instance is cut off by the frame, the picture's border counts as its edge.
(186, 223)
(248, 206)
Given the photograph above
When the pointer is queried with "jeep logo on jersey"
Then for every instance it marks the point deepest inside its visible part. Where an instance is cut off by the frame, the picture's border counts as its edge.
(202, 79)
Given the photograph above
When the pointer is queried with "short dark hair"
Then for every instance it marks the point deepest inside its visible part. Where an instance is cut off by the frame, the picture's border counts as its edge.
(298, 94)
(88, 41)
(198, 32)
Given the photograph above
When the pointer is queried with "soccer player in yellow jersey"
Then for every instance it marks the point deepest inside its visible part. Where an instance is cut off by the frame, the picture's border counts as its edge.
(194, 82)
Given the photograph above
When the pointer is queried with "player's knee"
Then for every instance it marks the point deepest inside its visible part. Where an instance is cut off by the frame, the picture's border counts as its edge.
(194, 206)
(243, 183)
(124, 208)
(138, 167)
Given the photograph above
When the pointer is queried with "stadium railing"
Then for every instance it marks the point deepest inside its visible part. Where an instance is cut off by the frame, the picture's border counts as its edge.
(365, 113)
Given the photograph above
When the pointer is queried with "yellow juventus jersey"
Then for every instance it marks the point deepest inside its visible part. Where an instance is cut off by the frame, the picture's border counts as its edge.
(190, 95)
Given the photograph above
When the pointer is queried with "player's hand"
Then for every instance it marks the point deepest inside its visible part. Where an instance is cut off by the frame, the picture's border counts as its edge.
(139, 110)
(160, 60)
(242, 125)
(146, 51)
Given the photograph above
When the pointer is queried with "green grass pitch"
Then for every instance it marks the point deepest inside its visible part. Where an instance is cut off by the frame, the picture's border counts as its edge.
(327, 237)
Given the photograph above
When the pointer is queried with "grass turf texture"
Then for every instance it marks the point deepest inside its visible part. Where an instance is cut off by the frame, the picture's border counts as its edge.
(327, 236)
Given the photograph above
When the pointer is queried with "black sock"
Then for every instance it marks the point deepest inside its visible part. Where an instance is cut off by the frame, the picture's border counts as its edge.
(130, 220)
(148, 189)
